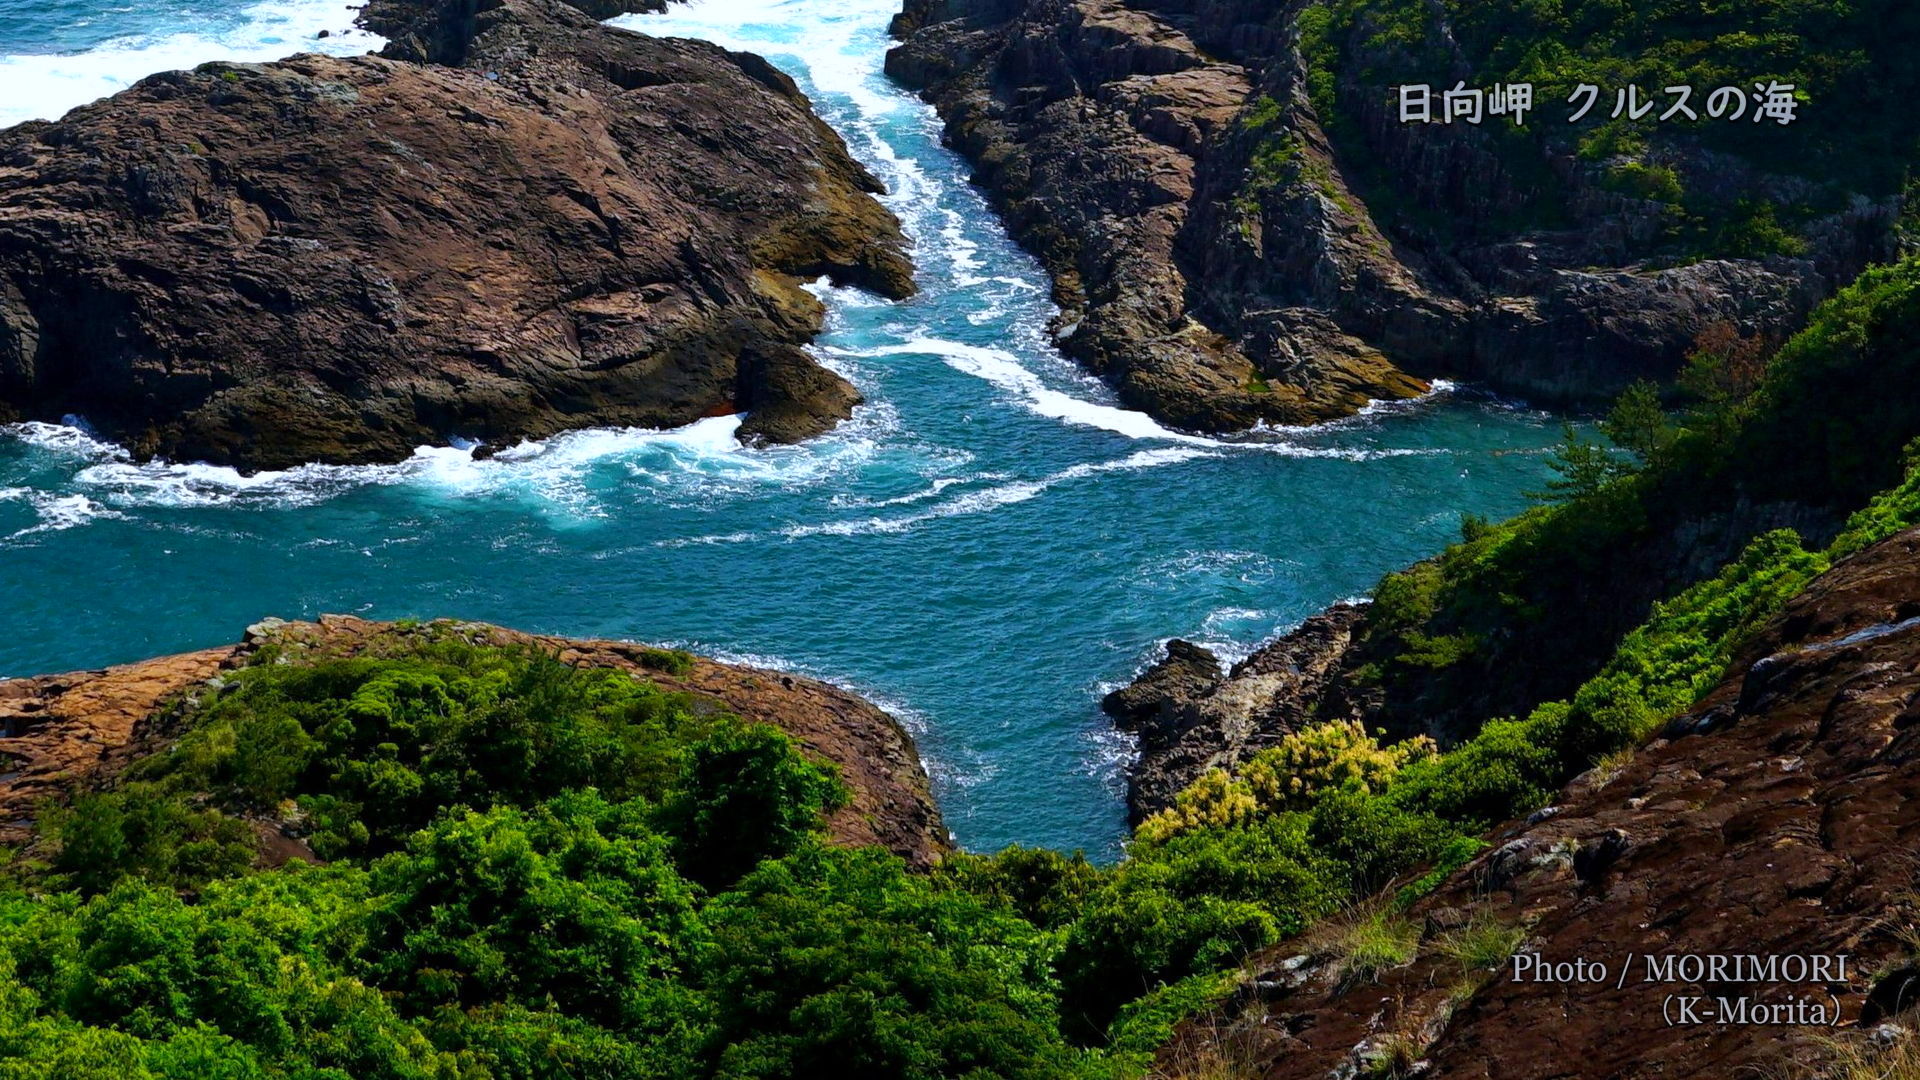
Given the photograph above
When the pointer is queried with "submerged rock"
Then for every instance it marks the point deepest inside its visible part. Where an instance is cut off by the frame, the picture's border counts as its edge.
(513, 222)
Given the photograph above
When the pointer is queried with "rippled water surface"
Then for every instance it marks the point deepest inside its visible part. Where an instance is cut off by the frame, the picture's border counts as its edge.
(988, 545)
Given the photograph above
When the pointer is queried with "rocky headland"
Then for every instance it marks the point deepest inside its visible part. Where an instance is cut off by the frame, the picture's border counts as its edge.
(1774, 818)
(511, 222)
(60, 734)
(1190, 714)
(1240, 232)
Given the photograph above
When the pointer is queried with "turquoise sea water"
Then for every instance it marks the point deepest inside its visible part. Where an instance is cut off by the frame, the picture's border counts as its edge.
(984, 549)
(55, 54)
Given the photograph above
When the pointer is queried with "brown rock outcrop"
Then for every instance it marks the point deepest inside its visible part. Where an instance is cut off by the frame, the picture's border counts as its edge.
(1191, 716)
(59, 733)
(1777, 818)
(514, 222)
(1090, 122)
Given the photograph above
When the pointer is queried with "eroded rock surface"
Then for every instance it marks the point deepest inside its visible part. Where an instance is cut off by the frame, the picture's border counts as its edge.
(514, 222)
(1092, 122)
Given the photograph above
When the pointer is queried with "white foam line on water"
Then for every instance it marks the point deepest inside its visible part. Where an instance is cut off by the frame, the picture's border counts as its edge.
(987, 500)
(982, 501)
(55, 512)
(707, 452)
(939, 485)
(44, 86)
(1004, 369)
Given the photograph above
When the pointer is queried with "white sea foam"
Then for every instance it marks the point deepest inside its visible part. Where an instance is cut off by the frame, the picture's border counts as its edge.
(1004, 370)
(44, 86)
(940, 484)
(55, 512)
(70, 440)
(987, 500)
(829, 44)
(1181, 570)
(980, 501)
(704, 459)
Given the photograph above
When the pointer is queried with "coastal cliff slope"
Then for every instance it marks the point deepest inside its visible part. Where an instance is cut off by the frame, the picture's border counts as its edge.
(1240, 229)
(1533, 610)
(62, 734)
(513, 222)
(1774, 818)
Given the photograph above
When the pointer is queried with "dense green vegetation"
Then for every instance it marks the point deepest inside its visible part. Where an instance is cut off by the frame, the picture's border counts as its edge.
(1853, 130)
(525, 869)
(1821, 426)
(533, 871)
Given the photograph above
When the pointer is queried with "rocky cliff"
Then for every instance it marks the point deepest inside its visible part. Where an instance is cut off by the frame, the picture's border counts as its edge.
(1775, 818)
(61, 733)
(1239, 229)
(1191, 715)
(512, 222)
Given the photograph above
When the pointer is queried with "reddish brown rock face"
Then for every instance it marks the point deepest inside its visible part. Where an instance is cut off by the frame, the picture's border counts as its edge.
(62, 733)
(522, 222)
(1778, 819)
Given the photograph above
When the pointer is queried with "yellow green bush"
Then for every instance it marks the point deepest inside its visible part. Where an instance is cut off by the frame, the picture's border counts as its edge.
(1327, 757)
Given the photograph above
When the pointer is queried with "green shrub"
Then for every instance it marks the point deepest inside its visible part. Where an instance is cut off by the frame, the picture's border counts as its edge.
(1655, 182)
(575, 906)
(671, 661)
(1147, 1023)
(1293, 775)
(1193, 904)
(372, 748)
(1373, 839)
(1043, 887)
(745, 795)
(839, 963)
(143, 832)
(1455, 854)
